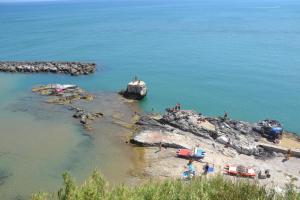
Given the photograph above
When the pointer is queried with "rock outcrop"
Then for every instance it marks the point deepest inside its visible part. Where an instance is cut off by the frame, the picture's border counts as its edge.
(84, 116)
(163, 138)
(72, 68)
(172, 128)
(189, 121)
(63, 94)
(68, 95)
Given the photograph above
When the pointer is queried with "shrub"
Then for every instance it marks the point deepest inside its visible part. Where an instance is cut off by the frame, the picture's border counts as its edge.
(202, 188)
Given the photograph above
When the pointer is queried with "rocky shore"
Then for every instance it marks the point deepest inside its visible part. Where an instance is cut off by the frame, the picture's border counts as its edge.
(72, 68)
(68, 95)
(226, 141)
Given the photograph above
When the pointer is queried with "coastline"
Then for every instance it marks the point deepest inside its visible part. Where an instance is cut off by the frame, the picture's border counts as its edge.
(163, 163)
(148, 161)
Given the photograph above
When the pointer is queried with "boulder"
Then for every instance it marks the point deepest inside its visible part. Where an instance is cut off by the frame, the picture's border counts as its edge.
(166, 139)
(222, 139)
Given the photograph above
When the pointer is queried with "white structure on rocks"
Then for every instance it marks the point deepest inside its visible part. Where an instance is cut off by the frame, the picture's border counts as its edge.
(136, 89)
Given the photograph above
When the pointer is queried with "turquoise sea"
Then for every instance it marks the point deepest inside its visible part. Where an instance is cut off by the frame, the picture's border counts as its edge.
(239, 56)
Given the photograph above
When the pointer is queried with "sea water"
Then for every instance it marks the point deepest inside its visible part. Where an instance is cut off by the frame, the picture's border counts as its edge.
(210, 55)
(213, 56)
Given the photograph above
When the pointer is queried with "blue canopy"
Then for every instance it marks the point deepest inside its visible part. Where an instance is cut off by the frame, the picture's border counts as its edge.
(277, 130)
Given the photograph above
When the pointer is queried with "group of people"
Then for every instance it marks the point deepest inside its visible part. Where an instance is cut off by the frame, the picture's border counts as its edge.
(191, 170)
(176, 108)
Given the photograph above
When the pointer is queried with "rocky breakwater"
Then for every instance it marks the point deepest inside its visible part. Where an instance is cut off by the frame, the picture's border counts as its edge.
(187, 128)
(72, 68)
(68, 95)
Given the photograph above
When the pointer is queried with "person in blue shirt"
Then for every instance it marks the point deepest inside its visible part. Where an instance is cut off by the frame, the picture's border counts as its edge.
(191, 168)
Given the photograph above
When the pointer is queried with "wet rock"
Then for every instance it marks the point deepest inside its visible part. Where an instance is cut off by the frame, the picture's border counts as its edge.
(63, 94)
(67, 95)
(85, 117)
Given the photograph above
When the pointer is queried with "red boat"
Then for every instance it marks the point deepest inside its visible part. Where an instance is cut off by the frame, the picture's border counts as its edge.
(240, 170)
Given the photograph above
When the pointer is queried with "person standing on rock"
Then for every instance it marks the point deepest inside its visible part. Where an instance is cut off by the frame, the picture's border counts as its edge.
(206, 167)
(160, 145)
(225, 116)
(288, 154)
(178, 106)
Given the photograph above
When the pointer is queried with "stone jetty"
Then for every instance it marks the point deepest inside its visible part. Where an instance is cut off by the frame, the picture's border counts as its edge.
(72, 68)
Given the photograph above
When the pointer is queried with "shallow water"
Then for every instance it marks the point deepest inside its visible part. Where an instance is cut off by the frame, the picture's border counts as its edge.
(40, 141)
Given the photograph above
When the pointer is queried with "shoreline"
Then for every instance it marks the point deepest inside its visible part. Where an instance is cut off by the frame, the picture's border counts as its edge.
(148, 161)
(162, 162)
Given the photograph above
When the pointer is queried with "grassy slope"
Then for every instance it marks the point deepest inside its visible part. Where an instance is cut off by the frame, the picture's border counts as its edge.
(215, 188)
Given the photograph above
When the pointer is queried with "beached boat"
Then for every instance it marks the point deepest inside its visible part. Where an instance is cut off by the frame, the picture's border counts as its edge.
(239, 170)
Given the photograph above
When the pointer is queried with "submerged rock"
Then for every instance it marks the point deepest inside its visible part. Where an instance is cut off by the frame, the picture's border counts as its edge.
(4, 175)
(67, 95)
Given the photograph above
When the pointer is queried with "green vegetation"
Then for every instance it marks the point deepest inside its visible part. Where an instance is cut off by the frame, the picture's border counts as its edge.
(215, 188)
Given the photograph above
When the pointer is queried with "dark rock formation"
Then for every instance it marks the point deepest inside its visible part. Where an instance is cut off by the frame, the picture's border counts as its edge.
(84, 116)
(72, 68)
(189, 121)
(239, 135)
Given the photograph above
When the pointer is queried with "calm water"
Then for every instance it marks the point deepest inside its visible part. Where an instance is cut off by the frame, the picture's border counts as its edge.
(238, 56)
(210, 55)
